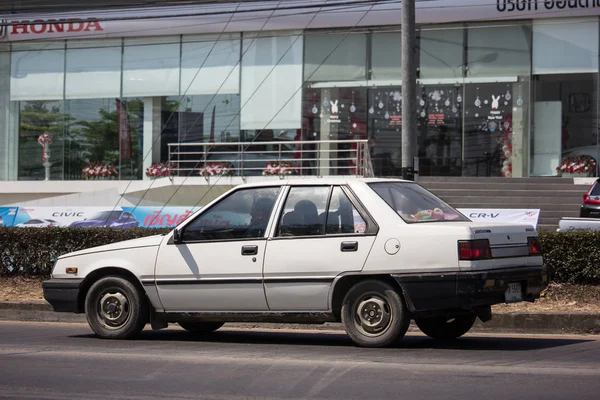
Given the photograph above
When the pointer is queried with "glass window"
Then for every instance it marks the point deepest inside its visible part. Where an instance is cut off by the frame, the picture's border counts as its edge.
(93, 69)
(576, 41)
(335, 56)
(271, 81)
(415, 204)
(564, 121)
(439, 124)
(498, 51)
(36, 118)
(385, 127)
(386, 55)
(342, 216)
(304, 211)
(151, 66)
(441, 53)
(242, 215)
(8, 137)
(106, 132)
(37, 71)
(210, 65)
(333, 114)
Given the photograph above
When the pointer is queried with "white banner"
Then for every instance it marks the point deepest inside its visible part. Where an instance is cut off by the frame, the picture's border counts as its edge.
(273, 16)
(502, 215)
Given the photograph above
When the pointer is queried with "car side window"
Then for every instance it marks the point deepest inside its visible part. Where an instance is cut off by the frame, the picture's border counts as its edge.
(342, 216)
(304, 211)
(243, 214)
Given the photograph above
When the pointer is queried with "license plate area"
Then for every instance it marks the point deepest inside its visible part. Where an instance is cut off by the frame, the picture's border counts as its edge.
(514, 293)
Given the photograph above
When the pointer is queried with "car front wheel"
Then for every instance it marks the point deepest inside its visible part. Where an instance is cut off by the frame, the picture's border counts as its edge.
(446, 328)
(115, 308)
(374, 314)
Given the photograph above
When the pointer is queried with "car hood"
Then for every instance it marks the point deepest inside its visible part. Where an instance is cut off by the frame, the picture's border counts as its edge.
(149, 241)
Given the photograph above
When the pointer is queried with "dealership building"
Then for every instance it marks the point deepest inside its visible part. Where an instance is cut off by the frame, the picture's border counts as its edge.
(505, 89)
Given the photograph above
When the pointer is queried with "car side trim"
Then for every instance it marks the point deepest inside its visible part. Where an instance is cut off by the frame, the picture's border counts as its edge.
(237, 281)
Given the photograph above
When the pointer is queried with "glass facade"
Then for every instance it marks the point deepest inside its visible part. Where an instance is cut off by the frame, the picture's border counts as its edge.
(494, 99)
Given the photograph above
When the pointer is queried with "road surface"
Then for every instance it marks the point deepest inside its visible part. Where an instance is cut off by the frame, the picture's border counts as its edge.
(59, 361)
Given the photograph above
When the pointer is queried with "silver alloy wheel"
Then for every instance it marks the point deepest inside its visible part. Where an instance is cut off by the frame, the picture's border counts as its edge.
(373, 315)
(114, 309)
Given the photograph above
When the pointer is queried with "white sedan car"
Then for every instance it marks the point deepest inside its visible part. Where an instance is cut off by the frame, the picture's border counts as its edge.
(370, 253)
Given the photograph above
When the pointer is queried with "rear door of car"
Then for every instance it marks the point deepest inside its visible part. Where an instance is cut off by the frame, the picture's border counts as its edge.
(322, 231)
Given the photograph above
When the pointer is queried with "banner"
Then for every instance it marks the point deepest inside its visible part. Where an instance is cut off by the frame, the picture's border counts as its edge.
(158, 217)
(120, 217)
(502, 215)
(285, 15)
(7, 216)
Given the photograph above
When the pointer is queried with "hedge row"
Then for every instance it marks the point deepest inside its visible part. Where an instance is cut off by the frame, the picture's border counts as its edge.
(33, 251)
(572, 257)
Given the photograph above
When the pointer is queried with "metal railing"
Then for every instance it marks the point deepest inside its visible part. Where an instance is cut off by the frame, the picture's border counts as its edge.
(275, 158)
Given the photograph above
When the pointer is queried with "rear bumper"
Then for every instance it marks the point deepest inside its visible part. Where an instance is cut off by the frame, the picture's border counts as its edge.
(62, 294)
(469, 290)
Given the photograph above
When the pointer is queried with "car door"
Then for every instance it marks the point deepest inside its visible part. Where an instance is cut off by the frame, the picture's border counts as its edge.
(320, 234)
(218, 264)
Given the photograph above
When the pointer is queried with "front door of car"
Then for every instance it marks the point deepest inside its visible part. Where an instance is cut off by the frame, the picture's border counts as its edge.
(320, 234)
(218, 264)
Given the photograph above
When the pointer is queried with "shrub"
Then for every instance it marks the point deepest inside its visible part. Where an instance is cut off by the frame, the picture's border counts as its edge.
(570, 257)
(573, 256)
(33, 251)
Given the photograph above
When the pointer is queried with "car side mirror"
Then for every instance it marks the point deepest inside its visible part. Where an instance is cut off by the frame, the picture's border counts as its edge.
(176, 236)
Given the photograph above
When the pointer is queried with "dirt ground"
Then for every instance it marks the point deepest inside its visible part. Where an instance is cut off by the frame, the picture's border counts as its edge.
(557, 297)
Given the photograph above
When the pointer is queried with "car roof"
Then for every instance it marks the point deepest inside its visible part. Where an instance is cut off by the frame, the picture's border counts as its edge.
(310, 181)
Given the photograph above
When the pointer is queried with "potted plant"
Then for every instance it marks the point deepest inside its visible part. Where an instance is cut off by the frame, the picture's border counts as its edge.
(280, 168)
(215, 169)
(159, 169)
(98, 170)
(573, 166)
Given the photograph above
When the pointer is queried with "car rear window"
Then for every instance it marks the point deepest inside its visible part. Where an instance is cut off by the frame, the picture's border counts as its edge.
(595, 189)
(415, 204)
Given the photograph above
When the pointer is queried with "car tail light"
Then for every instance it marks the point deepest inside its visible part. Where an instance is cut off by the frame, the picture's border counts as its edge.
(589, 199)
(535, 246)
(474, 249)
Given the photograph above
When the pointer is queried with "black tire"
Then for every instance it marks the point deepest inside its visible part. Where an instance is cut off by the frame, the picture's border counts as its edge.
(446, 328)
(123, 312)
(201, 327)
(384, 319)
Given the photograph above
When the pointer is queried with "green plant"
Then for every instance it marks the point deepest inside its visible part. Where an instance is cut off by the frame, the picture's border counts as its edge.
(33, 251)
(573, 256)
(570, 257)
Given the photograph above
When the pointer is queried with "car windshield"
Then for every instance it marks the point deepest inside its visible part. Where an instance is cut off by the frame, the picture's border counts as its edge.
(415, 204)
(107, 215)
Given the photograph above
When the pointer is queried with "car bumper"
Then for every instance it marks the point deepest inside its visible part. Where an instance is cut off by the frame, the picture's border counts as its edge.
(469, 290)
(62, 294)
(589, 211)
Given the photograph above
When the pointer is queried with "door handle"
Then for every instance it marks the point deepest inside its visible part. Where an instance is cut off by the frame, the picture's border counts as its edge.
(249, 250)
(349, 246)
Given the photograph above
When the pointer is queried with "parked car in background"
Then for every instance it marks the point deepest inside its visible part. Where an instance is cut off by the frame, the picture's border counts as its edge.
(370, 253)
(590, 208)
(39, 223)
(589, 212)
(111, 219)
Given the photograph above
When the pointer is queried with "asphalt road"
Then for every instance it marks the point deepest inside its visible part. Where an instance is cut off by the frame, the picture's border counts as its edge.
(60, 361)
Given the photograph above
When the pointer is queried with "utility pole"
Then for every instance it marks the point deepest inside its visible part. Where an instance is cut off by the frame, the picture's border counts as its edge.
(409, 91)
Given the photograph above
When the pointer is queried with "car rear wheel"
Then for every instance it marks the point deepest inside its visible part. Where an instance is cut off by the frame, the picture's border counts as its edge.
(374, 314)
(115, 308)
(201, 327)
(446, 328)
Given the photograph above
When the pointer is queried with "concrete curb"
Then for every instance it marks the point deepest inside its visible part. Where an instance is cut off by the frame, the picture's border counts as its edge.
(548, 323)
